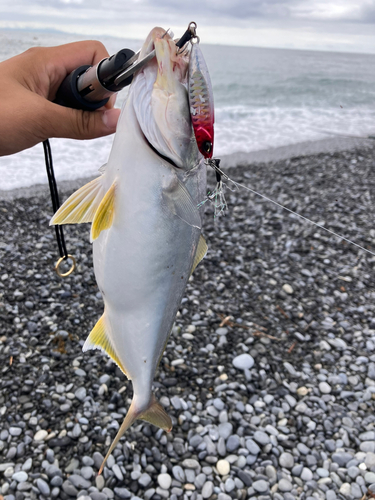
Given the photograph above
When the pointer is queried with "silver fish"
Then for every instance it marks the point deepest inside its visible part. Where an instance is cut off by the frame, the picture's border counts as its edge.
(146, 228)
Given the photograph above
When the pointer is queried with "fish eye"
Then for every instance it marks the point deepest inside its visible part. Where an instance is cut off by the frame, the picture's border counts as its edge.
(207, 146)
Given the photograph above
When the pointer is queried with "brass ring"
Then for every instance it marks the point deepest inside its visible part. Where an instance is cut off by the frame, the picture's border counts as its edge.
(57, 267)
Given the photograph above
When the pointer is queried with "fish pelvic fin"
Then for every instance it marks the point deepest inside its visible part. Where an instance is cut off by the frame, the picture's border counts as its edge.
(154, 414)
(99, 339)
(200, 253)
(81, 205)
(103, 218)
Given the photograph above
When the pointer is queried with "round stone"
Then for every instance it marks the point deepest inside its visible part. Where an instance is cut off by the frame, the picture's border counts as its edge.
(302, 391)
(325, 388)
(43, 487)
(164, 481)
(233, 443)
(208, 489)
(261, 486)
(144, 480)
(287, 289)
(223, 467)
(40, 435)
(369, 477)
(243, 362)
(306, 474)
(20, 476)
(261, 437)
(178, 473)
(286, 460)
(345, 489)
(285, 485)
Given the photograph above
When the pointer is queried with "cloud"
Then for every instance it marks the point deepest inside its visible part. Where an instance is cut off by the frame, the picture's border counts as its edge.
(343, 24)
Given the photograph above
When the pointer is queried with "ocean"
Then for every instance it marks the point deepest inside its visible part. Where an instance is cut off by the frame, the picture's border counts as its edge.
(264, 98)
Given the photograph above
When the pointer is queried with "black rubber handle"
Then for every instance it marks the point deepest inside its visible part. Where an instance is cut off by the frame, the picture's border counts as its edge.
(68, 95)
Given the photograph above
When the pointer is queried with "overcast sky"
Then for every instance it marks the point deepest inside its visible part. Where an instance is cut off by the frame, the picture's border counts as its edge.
(343, 25)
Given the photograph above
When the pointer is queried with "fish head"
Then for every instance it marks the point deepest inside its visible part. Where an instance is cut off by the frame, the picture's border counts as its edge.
(161, 101)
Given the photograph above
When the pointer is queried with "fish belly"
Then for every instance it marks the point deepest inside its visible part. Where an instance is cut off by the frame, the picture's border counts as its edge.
(142, 264)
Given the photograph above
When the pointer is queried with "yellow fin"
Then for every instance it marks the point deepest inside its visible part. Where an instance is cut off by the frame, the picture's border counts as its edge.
(81, 205)
(155, 414)
(98, 339)
(200, 253)
(104, 215)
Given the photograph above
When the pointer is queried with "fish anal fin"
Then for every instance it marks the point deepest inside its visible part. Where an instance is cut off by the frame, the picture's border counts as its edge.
(99, 339)
(200, 253)
(81, 205)
(180, 203)
(156, 415)
(104, 215)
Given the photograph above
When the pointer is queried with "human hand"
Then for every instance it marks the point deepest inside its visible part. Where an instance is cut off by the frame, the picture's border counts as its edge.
(28, 84)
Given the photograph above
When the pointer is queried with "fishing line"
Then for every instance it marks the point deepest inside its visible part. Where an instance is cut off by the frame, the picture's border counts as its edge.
(214, 163)
(301, 216)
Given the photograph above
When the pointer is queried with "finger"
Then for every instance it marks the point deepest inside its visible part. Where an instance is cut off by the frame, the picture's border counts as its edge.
(76, 124)
(66, 58)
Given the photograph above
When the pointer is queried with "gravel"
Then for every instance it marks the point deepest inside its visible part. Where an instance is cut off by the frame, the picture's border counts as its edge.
(268, 376)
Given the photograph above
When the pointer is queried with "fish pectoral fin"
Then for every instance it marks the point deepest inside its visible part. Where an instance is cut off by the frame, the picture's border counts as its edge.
(181, 204)
(81, 205)
(156, 415)
(99, 339)
(200, 253)
(104, 214)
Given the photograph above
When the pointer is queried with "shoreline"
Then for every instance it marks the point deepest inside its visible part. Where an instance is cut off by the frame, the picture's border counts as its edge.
(272, 155)
(268, 374)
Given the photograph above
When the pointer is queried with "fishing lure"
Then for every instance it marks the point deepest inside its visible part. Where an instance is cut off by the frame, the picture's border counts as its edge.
(201, 100)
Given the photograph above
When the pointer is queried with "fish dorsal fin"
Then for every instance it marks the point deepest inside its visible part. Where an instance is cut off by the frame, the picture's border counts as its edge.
(99, 339)
(81, 205)
(181, 204)
(104, 214)
(200, 253)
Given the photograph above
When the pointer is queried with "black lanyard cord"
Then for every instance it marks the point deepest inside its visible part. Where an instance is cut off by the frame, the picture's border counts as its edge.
(54, 197)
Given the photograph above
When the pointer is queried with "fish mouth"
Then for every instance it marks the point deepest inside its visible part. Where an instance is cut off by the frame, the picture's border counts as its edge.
(161, 101)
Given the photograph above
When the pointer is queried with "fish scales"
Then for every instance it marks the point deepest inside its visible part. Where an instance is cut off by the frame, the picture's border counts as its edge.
(146, 228)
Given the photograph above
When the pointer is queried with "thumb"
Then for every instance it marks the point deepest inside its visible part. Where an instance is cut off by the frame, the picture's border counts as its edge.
(77, 124)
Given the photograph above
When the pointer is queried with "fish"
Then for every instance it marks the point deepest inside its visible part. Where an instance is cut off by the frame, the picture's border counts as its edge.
(146, 229)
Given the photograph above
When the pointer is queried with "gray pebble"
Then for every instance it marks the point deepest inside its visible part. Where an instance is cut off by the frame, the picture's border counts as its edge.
(123, 493)
(233, 443)
(43, 487)
(261, 486)
(225, 430)
(261, 437)
(285, 485)
(208, 489)
(178, 473)
(243, 362)
(286, 460)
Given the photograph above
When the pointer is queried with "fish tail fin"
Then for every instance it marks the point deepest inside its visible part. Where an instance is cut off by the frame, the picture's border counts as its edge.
(154, 414)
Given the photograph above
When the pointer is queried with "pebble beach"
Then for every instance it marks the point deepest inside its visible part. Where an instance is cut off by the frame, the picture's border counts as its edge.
(269, 372)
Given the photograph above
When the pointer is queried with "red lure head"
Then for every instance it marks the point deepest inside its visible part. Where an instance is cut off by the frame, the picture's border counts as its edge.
(201, 102)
